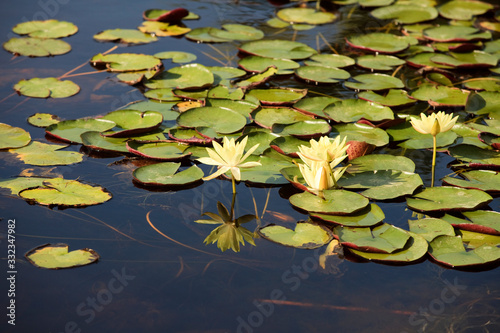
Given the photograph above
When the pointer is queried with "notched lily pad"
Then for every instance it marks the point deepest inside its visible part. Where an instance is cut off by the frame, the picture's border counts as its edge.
(430, 228)
(278, 48)
(126, 62)
(221, 120)
(70, 130)
(132, 122)
(127, 36)
(352, 110)
(268, 116)
(46, 29)
(384, 238)
(36, 47)
(444, 198)
(13, 137)
(56, 256)
(367, 217)
(336, 202)
(381, 42)
(43, 119)
(38, 153)
(394, 97)
(485, 180)
(159, 150)
(374, 82)
(46, 87)
(165, 174)
(305, 236)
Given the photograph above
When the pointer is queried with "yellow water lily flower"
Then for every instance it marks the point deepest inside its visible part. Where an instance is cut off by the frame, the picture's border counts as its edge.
(434, 124)
(319, 176)
(326, 150)
(229, 157)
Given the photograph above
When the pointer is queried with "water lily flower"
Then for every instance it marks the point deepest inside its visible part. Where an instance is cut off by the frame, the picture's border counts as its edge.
(326, 150)
(229, 157)
(319, 176)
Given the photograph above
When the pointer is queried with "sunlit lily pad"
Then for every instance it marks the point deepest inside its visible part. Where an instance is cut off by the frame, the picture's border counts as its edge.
(369, 216)
(162, 29)
(127, 36)
(259, 64)
(305, 236)
(176, 56)
(374, 162)
(43, 119)
(162, 15)
(237, 32)
(303, 129)
(17, 184)
(96, 141)
(36, 47)
(267, 173)
(361, 132)
(56, 256)
(436, 199)
(481, 221)
(13, 137)
(493, 26)
(473, 240)
(430, 228)
(202, 35)
(450, 251)
(305, 15)
(441, 95)
(46, 87)
(379, 62)
(424, 60)
(46, 29)
(475, 156)
(313, 106)
(485, 180)
(222, 120)
(336, 202)
(186, 135)
(288, 145)
(487, 84)
(277, 96)
(262, 137)
(67, 193)
(190, 76)
(125, 62)
(165, 174)
(320, 74)
(394, 97)
(384, 238)
(374, 82)
(159, 150)
(38, 153)
(163, 95)
(463, 9)
(70, 130)
(484, 102)
(330, 60)
(406, 13)
(352, 110)
(466, 60)
(277, 48)
(131, 122)
(454, 33)
(257, 79)
(381, 42)
(268, 116)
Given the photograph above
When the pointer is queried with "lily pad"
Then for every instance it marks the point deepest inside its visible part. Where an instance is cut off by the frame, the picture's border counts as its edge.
(268, 116)
(463, 9)
(379, 62)
(352, 110)
(176, 56)
(320, 74)
(267, 173)
(70, 130)
(305, 236)
(485, 180)
(454, 33)
(221, 120)
(493, 26)
(46, 29)
(436, 199)
(374, 82)
(43, 119)
(131, 122)
(38, 153)
(127, 36)
(36, 47)
(484, 102)
(202, 35)
(260, 64)
(238, 32)
(258, 79)
(424, 60)
(479, 221)
(95, 140)
(158, 150)
(56, 256)
(46, 87)
(163, 95)
(330, 60)
(305, 15)
(287, 145)
(278, 48)
(375, 162)
(466, 60)
(336, 202)
(13, 137)
(476, 157)
(162, 15)
(162, 29)
(361, 132)
(394, 97)
(487, 84)
(165, 174)
(125, 62)
(384, 238)
(313, 106)
(17, 184)
(277, 96)
(381, 42)
(67, 193)
(303, 129)
(190, 76)
(369, 216)
(406, 13)
(441, 95)
(430, 228)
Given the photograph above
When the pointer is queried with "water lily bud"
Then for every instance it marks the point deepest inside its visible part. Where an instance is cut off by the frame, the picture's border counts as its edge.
(435, 128)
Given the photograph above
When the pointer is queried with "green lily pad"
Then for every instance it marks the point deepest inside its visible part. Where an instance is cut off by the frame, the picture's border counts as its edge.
(406, 13)
(225, 93)
(17, 184)
(43, 119)
(222, 120)
(375, 162)
(262, 137)
(430, 228)
(352, 110)
(158, 150)
(466, 60)
(36, 47)
(268, 116)
(493, 26)
(487, 84)
(415, 249)
(379, 62)
(165, 174)
(424, 60)
(162, 29)
(336, 202)
(439, 78)
(95, 140)
(287, 145)
(313, 106)
(38, 153)
(303, 129)
(457, 47)
(131, 122)
(305, 15)
(305, 236)
(277, 48)
(127, 36)
(484, 102)
(381, 42)
(56, 256)
(441, 95)
(479, 221)
(242, 107)
(473, 240)
(454, 33)
(125, 62)
(46, 29)
(189, 136)
(267, 173)
(372, 3)
(490, 139)
(163, 95)
(257, 79)
(476, 157)
(367, 217)
(330, 60)
(277, 96)
(362, 132)
(238, 32)
(463, 10)
(67, 193)
(202, 35)
(260, 64)
(382, 184)
(320, 74)
(70, 130)
(46, 87)
(176, 56)
(450, 251)
(437, 199)
(374, 82)
(384, 238)
(190, 76)
(13, 137)
(393, 97)
(485, 180)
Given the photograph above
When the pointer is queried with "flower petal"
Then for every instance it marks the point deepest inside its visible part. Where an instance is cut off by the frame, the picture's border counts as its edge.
(216, 174)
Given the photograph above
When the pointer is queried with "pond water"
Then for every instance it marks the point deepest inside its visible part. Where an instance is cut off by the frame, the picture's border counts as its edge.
(145, 282)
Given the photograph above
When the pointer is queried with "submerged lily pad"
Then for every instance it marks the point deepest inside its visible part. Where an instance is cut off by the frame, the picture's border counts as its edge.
(165, 174)
(374, 82)
(36, 47)
(46, 87)
(17, 184)
(436, 199)
(56, 256)
(13, 137)
(46, 29)
(127, 36)
(278, 48)
(305, 15)
(352, 110)
(221, 120)
(406, 13)
(305, 236)
(381, 42)
(67, 193)
(336, 202)
(125, 62)
(38, 153)
(384, 238)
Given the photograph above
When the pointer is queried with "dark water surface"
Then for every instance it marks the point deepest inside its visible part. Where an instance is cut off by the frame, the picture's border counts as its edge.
(147, 283)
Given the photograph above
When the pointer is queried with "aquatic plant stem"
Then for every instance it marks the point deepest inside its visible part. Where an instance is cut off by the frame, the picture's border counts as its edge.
(434, 148)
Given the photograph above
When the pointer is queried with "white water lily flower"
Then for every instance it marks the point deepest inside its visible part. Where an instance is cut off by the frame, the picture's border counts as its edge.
(318, 175)
(229, 157)
(326, 150)
(434, 124)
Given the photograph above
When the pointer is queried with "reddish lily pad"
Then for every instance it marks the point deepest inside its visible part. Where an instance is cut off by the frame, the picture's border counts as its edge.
(480, 221)
(169, 16)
